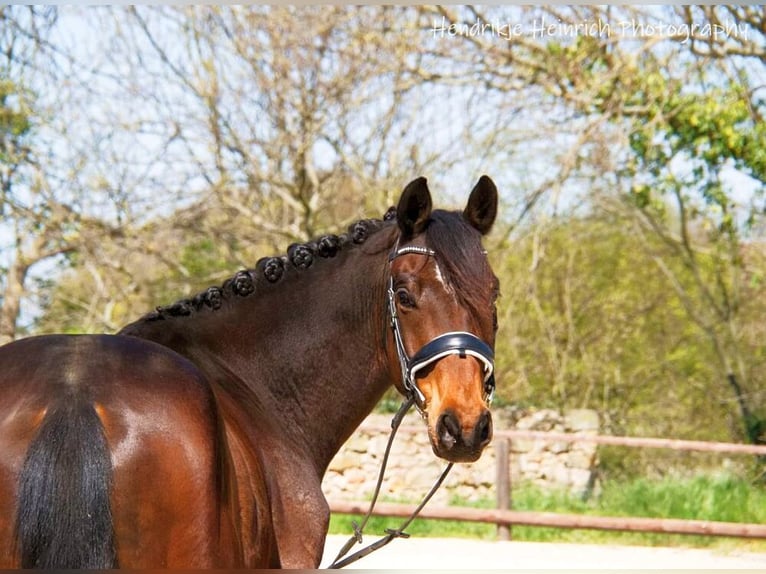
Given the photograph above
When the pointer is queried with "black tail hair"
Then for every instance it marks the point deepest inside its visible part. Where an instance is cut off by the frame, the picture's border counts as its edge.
(64, 519)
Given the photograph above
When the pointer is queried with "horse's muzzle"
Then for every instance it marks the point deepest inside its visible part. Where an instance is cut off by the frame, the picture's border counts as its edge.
(457, 442)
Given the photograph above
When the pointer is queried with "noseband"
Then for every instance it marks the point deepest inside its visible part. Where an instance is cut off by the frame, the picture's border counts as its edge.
(459, 343)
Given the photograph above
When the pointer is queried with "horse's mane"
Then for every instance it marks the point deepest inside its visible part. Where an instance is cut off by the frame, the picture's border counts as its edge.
(299, 256)
(455, 242)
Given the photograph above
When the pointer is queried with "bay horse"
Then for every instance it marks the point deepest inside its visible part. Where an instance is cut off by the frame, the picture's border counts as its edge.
(199, 434)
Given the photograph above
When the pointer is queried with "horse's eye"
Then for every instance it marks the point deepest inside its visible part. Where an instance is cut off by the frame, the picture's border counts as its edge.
(405, 299)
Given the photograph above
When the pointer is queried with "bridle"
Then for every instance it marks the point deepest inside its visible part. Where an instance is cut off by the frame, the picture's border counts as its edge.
(459, 343)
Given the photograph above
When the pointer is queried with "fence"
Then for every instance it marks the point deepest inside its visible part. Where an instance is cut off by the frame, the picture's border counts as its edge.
(504, 517)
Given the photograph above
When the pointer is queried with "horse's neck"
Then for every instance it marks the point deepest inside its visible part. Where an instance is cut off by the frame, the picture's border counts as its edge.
(310, 352)
(325, 363)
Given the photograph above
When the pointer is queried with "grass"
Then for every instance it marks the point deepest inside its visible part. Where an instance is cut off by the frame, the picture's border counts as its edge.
(717, 498)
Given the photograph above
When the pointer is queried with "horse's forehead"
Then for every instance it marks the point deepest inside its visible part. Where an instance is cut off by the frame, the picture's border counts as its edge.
(412, 263)
(426, 270)
(441, 280)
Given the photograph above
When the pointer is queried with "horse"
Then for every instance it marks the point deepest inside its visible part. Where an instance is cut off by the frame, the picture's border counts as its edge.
(198, 435)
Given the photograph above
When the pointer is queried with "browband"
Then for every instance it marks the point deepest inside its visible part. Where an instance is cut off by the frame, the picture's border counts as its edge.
(410, 249)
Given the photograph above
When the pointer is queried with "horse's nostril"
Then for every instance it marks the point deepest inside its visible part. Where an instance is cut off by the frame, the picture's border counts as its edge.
(484, 429)
(448, 430)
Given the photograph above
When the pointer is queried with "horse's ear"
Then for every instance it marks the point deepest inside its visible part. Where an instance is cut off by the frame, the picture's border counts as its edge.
(414, 208)
(482, 205)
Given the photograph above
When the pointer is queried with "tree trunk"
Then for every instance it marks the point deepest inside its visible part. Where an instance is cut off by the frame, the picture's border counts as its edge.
(754, 426)
(11, 305)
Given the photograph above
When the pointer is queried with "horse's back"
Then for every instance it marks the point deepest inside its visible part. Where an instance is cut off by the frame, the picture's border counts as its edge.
(155, 417)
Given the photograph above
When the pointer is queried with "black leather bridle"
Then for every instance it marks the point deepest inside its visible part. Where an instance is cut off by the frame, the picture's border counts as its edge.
(459, 343)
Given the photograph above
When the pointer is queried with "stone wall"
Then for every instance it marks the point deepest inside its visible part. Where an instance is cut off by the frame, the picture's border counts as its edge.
(413, 468)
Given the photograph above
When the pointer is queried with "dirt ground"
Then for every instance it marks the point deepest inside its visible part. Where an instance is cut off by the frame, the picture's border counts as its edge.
(460, 554)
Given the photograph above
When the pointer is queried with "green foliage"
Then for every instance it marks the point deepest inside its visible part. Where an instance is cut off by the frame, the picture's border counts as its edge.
(587, 320)
(717, 127)
(14, 118)
(686, 124)
(708, 130)
(718, 498)
(200, 258)
(80, 302)
(685, 120)
(15, 121)
(200, 263)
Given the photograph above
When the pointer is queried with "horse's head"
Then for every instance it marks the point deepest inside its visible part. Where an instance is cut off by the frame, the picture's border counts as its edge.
(442, 295)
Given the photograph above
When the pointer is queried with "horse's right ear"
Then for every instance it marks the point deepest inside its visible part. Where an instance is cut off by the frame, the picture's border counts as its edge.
(414, 208)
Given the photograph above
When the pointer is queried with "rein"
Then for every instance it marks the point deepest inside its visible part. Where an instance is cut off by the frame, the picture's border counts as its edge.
(391, 534)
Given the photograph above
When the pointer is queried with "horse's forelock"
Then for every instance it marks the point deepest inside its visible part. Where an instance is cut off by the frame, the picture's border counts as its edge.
(461, 257)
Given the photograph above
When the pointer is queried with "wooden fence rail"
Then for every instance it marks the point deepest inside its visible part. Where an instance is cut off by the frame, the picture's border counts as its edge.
(643, 442)
(555, 520)
(504, 518)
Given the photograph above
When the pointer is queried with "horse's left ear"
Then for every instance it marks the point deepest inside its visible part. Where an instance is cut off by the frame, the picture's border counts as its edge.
(414, 208)
(482, 205)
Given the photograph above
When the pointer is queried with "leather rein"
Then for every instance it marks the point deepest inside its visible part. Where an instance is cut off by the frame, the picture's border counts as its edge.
(391, 534)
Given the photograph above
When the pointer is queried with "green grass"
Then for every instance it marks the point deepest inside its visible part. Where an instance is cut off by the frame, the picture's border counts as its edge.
(717, 498)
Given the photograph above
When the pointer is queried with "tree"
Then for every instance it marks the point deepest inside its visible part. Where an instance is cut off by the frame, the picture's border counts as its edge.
(279, 108)
(57, 202)
(37, 225)
(279, 123)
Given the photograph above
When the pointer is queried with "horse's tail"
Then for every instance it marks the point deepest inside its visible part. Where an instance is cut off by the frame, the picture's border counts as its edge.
(64, 519)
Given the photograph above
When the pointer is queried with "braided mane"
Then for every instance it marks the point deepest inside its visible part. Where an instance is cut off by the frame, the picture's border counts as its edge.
(300, 256)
